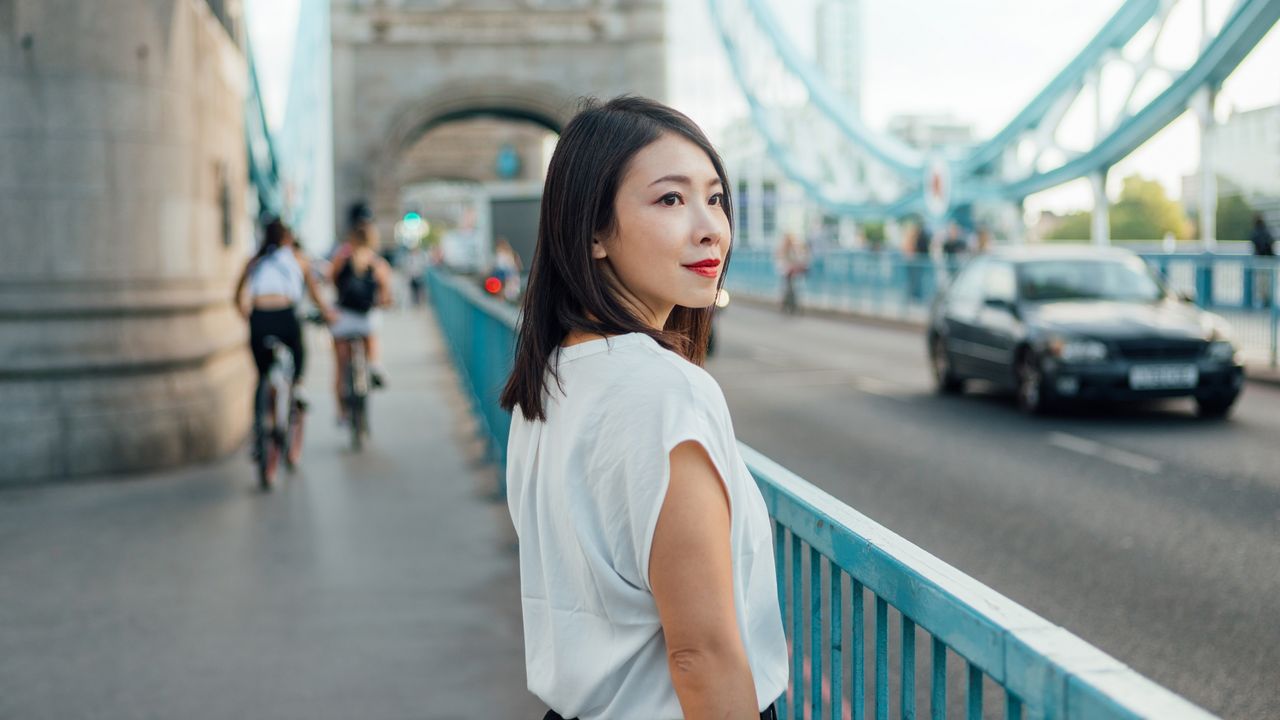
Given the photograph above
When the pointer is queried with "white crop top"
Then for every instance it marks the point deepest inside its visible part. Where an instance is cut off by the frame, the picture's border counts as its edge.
(584, 490)
(277, 273)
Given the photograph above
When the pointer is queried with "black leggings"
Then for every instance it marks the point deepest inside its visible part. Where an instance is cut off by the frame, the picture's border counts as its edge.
(284, 326)
(770, 713)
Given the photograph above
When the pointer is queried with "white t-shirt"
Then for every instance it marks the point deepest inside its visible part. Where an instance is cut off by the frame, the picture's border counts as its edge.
(584, 489)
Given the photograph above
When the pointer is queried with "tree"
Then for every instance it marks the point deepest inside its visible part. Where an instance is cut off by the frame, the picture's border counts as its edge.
(1143, 212)
(1234, 218)
(1074, 226)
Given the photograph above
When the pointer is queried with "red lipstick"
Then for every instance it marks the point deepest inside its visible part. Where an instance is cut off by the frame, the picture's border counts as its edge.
(706, 268)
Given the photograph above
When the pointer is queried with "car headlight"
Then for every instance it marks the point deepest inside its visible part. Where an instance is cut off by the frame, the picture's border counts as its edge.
(1222, 351)
(1076, 351)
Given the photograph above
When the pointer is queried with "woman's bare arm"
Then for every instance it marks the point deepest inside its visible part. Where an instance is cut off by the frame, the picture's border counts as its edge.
(382, 272)
(313, 290)
(237, 299)
(691, 574)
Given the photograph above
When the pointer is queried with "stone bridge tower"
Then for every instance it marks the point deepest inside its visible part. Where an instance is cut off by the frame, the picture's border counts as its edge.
(122, 227)
(402, 68)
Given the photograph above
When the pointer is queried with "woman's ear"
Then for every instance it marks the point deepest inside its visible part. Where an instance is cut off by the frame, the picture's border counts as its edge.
(597, 250)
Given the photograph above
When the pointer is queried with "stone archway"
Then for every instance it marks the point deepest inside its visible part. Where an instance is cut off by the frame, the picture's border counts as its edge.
(542, 105)
(401, 68)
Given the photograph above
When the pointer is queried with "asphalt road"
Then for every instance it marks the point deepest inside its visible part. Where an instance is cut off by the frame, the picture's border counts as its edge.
(1148, 532)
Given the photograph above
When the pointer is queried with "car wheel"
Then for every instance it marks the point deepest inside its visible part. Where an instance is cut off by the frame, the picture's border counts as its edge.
(1031, 386)
(1215, 408)
(948, 383)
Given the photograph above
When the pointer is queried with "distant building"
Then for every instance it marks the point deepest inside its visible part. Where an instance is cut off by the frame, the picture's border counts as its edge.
(928, 131)
(1247, 151)
(1246, 159)
(838, 47)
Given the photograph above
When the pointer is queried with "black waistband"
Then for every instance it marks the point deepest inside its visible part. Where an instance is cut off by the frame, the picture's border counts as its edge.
(769, 713)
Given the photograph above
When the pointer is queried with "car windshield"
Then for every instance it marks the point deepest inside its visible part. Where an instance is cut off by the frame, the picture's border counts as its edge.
(1123, 280)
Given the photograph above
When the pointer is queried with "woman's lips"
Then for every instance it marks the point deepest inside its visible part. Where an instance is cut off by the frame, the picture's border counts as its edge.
(708, 268)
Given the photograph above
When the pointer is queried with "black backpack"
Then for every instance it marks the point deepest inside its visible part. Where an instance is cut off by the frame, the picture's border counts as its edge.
(357, 292)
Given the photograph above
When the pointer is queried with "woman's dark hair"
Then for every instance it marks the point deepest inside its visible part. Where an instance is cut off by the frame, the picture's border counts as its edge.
(568, 290)
(273, 235)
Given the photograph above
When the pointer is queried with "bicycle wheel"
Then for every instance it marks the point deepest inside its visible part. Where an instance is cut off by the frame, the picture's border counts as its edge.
(356, 417)
(265, 448)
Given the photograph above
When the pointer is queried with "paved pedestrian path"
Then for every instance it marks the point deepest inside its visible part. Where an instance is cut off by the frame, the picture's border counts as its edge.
(375, 586)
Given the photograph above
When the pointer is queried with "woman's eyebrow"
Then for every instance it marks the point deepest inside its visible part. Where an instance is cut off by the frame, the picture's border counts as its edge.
(683, 180)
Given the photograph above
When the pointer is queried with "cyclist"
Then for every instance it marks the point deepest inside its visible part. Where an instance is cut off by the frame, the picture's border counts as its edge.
(276, 277)
(363, 281)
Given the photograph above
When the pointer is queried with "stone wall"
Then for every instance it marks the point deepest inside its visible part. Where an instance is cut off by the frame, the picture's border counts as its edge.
(122, 228)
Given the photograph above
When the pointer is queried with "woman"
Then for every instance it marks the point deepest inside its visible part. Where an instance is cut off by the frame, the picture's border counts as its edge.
(506, 266)
(792, 258)
(646, 565)
(275, 277)
(363, 281)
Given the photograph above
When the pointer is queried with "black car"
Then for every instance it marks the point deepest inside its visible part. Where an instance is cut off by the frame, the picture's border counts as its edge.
(1076, 322)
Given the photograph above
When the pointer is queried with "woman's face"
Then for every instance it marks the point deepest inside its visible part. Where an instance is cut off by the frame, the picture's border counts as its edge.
(670, 234)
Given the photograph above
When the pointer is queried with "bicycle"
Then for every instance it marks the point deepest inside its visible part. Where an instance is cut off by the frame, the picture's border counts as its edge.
(355, 391)
(273, 401)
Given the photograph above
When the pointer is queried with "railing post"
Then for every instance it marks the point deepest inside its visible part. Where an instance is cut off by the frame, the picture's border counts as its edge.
(1204, 280)
(1246, 292)
(1274, 275)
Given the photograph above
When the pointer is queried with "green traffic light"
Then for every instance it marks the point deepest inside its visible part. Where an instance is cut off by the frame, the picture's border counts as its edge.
(412, 217)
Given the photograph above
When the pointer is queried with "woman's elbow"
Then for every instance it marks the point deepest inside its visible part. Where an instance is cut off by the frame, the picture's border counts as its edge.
(705, 661)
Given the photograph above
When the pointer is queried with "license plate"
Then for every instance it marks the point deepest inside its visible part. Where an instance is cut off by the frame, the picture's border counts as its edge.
(1164, 377)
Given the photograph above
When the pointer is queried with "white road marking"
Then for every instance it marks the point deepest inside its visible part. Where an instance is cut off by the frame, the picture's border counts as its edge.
(1116, 456)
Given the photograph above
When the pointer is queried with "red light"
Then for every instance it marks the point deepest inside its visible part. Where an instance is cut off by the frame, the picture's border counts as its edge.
(493, 285)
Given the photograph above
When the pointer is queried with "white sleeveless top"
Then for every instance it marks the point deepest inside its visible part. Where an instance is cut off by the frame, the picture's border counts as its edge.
(584, 489)
(277, 273)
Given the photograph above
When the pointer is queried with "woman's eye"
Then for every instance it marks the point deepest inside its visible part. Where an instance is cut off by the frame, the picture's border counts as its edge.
(717, 199)
(670, 199)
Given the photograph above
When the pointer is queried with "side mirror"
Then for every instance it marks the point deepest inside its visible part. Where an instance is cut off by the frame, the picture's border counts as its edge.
(1007, 306)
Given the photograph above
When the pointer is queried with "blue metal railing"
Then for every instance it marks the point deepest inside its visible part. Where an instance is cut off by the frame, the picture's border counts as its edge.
(480, 331)
(1244, 289)
(833, 561)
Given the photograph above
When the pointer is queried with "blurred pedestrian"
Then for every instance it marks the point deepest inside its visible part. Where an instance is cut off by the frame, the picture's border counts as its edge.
(507, 268)
(954, 248)
(415, 268)
(1264, 245)
(792, 261)
(646, 565)
(983, 242)
(919, 262)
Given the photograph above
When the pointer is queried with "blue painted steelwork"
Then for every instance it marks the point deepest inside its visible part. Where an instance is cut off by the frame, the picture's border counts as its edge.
(776, 145)
(481, 338)
(264, 168)
(1118, 31)
(284, 167)
(1246, 25)
(890, 151)
(1035, 663)
(974, 173)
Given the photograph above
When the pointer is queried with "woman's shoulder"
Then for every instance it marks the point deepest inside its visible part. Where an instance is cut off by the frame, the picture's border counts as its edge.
(652, 371)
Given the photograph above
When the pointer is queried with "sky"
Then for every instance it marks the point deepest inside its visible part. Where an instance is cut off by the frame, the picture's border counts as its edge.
(980, 60)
